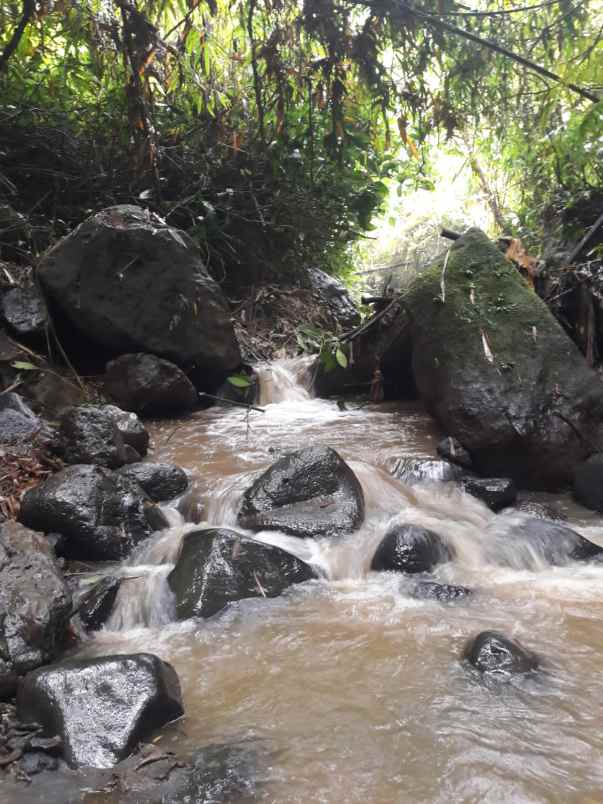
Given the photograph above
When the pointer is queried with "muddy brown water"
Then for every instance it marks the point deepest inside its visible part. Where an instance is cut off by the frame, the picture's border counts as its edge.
(355, 690)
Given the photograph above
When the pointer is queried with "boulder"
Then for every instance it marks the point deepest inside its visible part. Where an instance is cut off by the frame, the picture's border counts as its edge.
(35, 604)
(19, 424)
(442, 592)
(495, 654)
(161, 481)
(51, 394)
(89, 434)
(218, 567)
(588, 482)
(452, 450)
(410, 548)
(131, 283)
(24, 311)
(334, 294)
(149, 385)
(498, 372)
(495, 492)
(424, 470)
(311, 492)
(538, 510)
(101, 514)
(132, 430)
(96, 605)
(101, 707)
(532, 542)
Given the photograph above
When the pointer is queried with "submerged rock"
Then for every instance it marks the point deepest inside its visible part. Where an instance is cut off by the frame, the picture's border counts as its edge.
(424, 470)
(101, 514)
(538, 510)
(35, 604)
(129, 282)
(89, 434)
(24, 310)
(217, 567)
(588, 482)
(410, 548)
(442, 592)
(149, 385)
(495, 492)
(311, 492)
(161, 481)
(495, 654)
(96, 605)
(452, 450)
(535, 541)
(101, 707)
(498, 372)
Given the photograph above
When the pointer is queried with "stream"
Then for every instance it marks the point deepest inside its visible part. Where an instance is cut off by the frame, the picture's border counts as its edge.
(354, 690)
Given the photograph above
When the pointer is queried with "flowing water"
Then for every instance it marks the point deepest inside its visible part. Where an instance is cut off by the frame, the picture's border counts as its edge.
(354, 689)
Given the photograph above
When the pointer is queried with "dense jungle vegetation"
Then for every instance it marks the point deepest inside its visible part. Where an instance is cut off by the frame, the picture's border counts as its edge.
(273, 131)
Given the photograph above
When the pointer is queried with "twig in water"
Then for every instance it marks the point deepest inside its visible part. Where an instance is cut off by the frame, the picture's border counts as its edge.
(232, 402)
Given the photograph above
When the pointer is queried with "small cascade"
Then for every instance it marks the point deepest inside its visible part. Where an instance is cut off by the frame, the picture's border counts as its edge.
(285, 380)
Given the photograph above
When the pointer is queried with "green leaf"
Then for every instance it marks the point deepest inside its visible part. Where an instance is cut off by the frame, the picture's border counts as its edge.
(341, 358)
(23, 366)
(239, 381)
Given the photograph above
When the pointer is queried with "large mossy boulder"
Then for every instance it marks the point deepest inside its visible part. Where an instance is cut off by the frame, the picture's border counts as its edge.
(101, 707)
(498, 372)
(35, 604)
(218, 567)
(309, 493)
(131, 283)
(101, 514)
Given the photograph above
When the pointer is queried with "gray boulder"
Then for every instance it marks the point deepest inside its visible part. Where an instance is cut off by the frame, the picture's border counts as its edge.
(19, 424)
(129, 282)
(149, 385)
(311, 492)
(101, 514)
(101, 707)
(218, 567)
(24, 310)
(35, 604)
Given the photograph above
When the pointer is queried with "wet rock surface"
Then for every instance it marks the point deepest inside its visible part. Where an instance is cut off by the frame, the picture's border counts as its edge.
(101, 708)
(220, 566)
(410, 548)
(149, 385)
(161, 481)
(19, 424)
(588, 482)
(495, 492)
(442, 592)
(89, 434)
(99, 275)
(421, 470)
(95, 606)
(336, 296)
(132, 430)
(100, 513)
(450, 449)
(498, 372)
(24, 310)
(35, 604)
(533, 543)
(493, 653)
(311, 493)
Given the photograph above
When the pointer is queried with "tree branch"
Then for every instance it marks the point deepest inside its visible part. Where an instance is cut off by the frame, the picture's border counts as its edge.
(29, 6)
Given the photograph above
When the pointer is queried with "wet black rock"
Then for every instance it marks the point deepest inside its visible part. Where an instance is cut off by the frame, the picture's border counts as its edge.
(221, 773)
(588, 482)
(452, 450)
(495, 492)
(409, 548)
(95, 606)
(547, 541)
(495, 654)
(24, 310)
(538, 510)
(311, 492)
(442, 592)
(161, 481)
(334, 294)
(35, 604)
(217, 567)
(89, 434)
(425, 470)
(149, 385)
(101, 707)
(129, 282)
(101, 514)
(19, 424)
(132, 430)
